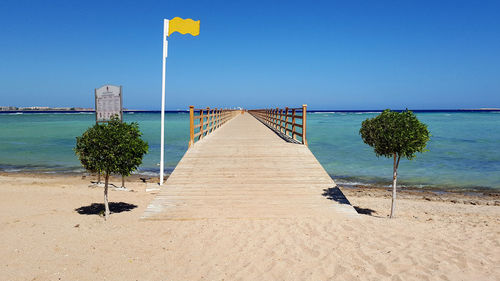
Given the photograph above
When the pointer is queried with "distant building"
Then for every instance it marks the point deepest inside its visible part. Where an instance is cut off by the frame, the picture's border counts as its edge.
(81, 109)
(8, 108)
(43, 108)
(34, 108)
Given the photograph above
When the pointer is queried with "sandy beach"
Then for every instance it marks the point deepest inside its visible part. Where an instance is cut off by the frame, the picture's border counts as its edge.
(50, 231)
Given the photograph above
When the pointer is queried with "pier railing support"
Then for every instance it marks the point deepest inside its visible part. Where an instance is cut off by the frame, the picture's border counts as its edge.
(215, 118)
(304, 124)
(286, 119)
(279, 120)
(202, 126)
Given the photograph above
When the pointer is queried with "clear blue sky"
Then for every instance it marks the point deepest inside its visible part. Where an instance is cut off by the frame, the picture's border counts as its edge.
(330, 55)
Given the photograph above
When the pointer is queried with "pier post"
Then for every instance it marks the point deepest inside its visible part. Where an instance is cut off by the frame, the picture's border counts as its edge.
(208, 120)
(281, 120)
(304, 122)
(201, 123)
(216, 118)
(220, 118)
(293, 124)
(276, 118)
(286, 121)
(273, 118)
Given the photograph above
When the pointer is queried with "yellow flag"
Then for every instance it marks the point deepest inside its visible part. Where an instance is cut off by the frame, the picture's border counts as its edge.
(184, 26)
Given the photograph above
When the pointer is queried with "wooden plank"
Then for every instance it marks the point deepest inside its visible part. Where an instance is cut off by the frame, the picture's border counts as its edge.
(244, 170)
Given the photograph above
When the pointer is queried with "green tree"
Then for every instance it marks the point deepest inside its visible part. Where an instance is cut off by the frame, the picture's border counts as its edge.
(395, 134)
(112, 148)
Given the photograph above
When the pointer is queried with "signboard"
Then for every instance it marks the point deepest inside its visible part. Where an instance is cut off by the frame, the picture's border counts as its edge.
(108, 103)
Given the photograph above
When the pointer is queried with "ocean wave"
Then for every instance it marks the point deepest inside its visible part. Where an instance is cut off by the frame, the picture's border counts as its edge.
(146, 173)
(78, 170)
(12, 170)
(344, 112)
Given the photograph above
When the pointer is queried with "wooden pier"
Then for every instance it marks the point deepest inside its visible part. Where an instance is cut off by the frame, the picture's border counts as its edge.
(253, 165)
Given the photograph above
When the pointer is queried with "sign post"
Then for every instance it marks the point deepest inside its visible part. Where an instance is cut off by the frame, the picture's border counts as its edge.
(108, 103)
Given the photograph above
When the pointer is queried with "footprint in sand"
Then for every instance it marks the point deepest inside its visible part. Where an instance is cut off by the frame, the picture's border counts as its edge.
(381, 269)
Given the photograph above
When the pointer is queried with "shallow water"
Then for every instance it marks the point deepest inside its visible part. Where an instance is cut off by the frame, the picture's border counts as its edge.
(463, 150)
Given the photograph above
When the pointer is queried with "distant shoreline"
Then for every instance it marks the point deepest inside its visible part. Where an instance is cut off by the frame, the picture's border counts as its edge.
(351, 185)
(454, 195)
(311, 111)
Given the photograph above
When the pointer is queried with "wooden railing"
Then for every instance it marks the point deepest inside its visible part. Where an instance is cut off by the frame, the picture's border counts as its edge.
(204, 121)
(285, 121)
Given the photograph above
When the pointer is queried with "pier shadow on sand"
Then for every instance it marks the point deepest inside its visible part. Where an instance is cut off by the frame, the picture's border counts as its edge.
(98, 208)
(335, 194)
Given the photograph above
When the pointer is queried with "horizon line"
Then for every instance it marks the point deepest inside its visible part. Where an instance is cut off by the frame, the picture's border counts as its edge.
(309, 110)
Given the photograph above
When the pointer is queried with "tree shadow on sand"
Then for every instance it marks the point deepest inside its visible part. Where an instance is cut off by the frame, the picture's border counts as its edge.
(98, 208)
(364, 211)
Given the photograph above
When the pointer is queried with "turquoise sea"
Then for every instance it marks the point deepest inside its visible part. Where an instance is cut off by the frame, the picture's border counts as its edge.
(464, 150)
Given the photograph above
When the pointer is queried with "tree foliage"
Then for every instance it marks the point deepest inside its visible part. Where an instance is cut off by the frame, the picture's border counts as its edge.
(395, 132)
(112, 148)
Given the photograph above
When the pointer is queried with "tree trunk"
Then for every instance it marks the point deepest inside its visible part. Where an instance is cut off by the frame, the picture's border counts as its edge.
(123, 181)
(98, 177)
(106, 204)
(394, 180)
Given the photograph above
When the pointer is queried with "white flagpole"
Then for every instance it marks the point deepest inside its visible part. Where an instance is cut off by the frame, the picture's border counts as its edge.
(165, 48)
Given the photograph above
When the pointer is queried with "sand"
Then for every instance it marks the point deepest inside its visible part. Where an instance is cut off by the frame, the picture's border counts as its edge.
(433, 237)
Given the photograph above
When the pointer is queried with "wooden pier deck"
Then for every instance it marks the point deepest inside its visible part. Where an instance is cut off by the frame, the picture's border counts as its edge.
(245, 170)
